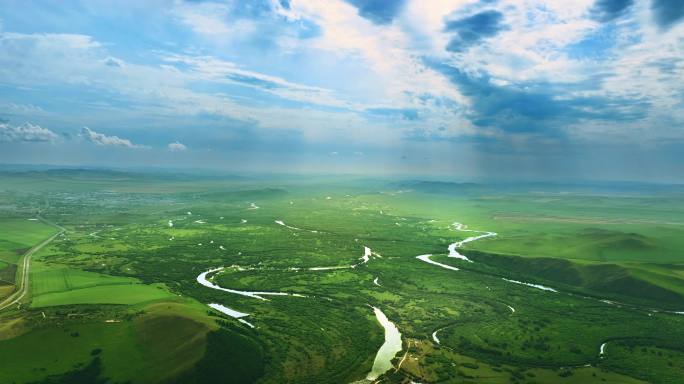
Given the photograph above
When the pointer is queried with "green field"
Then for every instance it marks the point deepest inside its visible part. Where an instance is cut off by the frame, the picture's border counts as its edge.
(19, 234)
(53, 285)
(115, 298)
(118, 294)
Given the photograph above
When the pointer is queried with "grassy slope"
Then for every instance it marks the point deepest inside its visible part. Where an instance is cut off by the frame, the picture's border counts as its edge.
(104, 294)
(19, 234)
(575, 227)
(53, 285)
(443, 363)
(620, 246)
(646, 361)
(610, 280)
(168, 339)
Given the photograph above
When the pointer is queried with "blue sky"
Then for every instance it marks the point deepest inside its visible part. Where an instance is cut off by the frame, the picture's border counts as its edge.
(506, 89)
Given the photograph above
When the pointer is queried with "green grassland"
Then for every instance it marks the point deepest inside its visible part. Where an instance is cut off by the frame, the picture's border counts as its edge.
(54, 285)
(440, 365)
(123, 280)
(646, 359)
(18, 234)
(140, 344)
(606, 245)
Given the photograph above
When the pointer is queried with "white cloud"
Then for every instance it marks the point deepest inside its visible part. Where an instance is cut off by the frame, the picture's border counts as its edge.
(36, 60)
(42, 58)
(23, 108)
(388, 51)
(221, 71)
(102, 139)
(26, 132)
(387, 67)
(210, 19)
(33, 60)
(530, 48)
(177, 147)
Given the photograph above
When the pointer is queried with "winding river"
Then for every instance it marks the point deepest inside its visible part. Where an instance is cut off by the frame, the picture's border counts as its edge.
(384, 356)
(426, 258)
(453, 252)
(202, 279)
(232, 313)
(393, 343)
(463, 228)
(434, 336)
(538, 286)
(389, 349)
(280, 222)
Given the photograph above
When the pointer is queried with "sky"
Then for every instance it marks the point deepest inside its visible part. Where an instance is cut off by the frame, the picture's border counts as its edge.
(486, 89)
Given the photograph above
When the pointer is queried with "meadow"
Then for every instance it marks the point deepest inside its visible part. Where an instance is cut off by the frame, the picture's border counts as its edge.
(115, 297)
(19, 234)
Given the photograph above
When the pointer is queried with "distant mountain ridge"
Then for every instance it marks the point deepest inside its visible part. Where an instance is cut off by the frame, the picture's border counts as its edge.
(438, 186)
(97, 173)
(581, 187)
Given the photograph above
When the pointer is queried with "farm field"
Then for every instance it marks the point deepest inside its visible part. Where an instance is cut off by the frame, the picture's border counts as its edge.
(18, 234)
(54, 285)
(298, 279)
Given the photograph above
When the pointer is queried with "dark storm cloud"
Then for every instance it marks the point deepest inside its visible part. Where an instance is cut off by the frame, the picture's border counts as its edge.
(378, 11)
(470, 30)
(539, 108)
(607, 10)
(667, 12)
